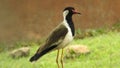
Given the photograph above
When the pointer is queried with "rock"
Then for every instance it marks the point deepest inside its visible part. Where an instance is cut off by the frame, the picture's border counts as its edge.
(21, 52)
(76, 50)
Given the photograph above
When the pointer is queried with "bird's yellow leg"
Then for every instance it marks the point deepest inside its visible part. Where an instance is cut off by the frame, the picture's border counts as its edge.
(57, 59)
(62, 59)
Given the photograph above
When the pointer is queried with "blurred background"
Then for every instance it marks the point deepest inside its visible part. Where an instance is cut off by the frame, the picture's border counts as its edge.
(28, 19)
(24, 24)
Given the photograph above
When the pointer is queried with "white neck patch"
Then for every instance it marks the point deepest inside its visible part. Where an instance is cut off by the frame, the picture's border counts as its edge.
(65, 13)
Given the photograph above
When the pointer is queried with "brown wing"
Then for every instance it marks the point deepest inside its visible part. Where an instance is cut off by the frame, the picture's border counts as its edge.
(57, 35)
(55, 38)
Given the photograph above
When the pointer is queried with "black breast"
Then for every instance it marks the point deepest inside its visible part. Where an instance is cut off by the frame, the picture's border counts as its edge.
(70, 22)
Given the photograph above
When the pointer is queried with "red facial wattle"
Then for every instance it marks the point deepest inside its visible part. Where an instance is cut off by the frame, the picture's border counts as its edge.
(75, 12)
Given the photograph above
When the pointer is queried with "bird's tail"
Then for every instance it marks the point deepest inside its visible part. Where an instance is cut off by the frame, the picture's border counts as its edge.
(35, 57)
(38, 55)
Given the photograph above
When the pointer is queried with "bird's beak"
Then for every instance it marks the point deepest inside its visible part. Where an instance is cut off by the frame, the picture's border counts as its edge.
(76, 12)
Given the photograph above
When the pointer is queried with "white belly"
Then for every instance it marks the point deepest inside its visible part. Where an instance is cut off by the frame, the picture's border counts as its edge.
(68, 38)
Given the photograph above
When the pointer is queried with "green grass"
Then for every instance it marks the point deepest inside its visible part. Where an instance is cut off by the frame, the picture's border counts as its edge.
(105, 53)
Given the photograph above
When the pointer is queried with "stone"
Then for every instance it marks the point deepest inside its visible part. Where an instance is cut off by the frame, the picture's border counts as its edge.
(76, 50)
(21, 52)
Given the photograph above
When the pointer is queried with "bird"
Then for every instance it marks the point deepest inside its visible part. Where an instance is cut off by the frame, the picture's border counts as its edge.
(59, 37)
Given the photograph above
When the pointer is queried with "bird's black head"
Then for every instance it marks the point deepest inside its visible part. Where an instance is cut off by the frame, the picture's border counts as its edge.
(67, 14)
(70, 10)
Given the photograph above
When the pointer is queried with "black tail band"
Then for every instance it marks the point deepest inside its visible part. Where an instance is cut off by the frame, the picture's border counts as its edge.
(38, 55)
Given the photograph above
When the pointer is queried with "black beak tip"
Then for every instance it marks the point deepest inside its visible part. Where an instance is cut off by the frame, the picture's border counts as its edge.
(79, 13)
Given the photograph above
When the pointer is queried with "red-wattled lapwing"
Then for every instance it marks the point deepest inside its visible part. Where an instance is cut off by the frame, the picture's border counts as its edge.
(59, 37)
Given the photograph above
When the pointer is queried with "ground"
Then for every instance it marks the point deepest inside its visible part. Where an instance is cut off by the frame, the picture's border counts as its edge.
(104, 54)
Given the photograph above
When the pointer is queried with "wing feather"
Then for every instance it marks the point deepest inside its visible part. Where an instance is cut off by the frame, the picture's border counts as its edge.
(55, 38)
